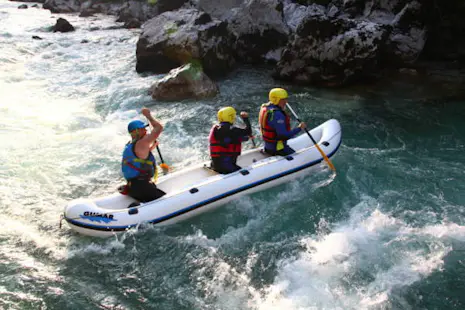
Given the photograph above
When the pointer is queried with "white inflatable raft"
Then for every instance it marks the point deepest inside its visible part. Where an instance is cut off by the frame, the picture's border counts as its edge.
(198, 189)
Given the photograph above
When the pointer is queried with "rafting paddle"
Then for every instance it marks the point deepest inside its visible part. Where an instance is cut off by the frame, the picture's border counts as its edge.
(253, 141)
(163, 165)
(330, 164)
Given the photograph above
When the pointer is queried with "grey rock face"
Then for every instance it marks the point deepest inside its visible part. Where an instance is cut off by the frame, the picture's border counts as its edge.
(331, 51)
(186, 82)
(62, 6)
(176, 38)
(259, 28)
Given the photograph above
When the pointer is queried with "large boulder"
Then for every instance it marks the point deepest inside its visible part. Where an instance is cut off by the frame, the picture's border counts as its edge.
(86, 7)
(332, 51)
(334, 45)
(186, 82)
(260, 30)
(137, 12)
(172, 39)
(62, 6)
(134, 12)
(408, 35)
(219, 9)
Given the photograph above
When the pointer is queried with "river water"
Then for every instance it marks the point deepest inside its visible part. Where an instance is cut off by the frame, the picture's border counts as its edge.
(388, 232)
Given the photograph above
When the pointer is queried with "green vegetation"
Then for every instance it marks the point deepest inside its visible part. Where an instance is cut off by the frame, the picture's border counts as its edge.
(170, 28)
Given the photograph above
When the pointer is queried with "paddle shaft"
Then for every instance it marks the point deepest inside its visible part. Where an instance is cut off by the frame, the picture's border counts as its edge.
(247, 123)
(253, 141)
(330, 164)
(159, 154)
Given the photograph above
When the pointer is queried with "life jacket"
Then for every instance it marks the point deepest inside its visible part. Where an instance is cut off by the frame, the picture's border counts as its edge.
(266, 114)
(135, 167)
(221, 149)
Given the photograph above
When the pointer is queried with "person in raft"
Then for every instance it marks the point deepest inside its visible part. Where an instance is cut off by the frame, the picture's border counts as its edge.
(138, 164)
(275, 124)
(226, 140)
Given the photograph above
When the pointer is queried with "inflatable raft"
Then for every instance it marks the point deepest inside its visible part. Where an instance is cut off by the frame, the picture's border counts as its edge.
(198, 189)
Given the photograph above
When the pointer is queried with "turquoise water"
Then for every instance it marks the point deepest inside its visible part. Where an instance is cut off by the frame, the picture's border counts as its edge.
(386, 233)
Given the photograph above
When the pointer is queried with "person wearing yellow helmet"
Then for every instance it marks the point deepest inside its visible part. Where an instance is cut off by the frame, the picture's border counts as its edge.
(275, 124)
(226, 140)
(138, 164)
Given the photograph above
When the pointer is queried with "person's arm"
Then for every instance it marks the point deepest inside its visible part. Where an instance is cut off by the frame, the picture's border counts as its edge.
(149, 141)
(279, 124)
(242, 134)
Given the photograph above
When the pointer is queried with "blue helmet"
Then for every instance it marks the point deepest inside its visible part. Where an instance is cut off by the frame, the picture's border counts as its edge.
(136, 125)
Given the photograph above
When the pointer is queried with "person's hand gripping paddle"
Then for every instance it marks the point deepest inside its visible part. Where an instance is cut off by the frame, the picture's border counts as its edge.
(330, 164)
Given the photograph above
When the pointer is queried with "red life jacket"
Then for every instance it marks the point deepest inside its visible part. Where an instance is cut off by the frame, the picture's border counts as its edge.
(218, 149)
(266, 113)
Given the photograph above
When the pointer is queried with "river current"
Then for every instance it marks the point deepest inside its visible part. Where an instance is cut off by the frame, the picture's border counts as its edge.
(388, 232)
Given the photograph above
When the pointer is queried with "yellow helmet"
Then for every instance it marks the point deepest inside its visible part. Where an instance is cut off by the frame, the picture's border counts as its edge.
(277, 94)
(227, 114)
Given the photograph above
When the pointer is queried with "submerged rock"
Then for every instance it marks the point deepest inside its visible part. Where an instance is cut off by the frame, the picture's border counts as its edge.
(188, 81)
(62, 25)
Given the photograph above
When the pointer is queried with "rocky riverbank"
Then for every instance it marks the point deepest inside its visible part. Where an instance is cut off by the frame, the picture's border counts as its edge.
(309, 42)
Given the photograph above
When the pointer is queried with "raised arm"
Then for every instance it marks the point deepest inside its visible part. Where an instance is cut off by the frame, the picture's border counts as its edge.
(148, 142)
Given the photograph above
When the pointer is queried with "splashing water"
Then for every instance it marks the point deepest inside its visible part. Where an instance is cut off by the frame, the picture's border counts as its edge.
(386, 232)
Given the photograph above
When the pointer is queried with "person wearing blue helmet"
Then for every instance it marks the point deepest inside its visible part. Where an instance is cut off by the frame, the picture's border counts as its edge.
(138, 164)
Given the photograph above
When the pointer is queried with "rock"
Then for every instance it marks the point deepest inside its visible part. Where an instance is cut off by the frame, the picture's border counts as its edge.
(62, 6)
(186, 82)
(353, 7)
(62, 25)
(176, 38)
(36, 38)
(22, 6)
(87, 12)
(259, 28)
(408, 35)
(332, 51)
(132, 23)
(136, 12)
(170, 5)
(221, 10)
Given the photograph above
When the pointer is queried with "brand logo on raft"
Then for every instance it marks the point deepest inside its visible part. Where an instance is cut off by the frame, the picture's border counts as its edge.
(97, 217)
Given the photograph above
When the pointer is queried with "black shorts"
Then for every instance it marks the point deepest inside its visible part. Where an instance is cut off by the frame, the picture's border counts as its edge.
(284, 152)
(144, 190)
(219, 165)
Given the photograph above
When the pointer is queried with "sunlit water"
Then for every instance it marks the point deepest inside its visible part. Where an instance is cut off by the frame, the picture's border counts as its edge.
(386, 233)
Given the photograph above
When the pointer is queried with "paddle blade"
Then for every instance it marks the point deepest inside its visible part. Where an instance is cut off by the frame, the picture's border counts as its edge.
(165, 167)
(330, 164)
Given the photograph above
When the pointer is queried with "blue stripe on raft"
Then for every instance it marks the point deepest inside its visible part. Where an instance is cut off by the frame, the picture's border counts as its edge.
(205, 202)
